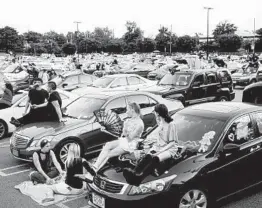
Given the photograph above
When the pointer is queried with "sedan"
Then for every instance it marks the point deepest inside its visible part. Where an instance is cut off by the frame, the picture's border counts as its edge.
(81, 126)
(18, 107)
(222, 156)
(117, 82)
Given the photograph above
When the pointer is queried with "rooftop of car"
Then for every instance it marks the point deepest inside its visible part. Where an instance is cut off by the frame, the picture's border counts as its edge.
(220, 110)
(196, 71)
(120, 75)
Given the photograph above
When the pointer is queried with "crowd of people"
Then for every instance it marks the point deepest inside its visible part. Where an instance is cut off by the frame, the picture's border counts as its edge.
(77, 170)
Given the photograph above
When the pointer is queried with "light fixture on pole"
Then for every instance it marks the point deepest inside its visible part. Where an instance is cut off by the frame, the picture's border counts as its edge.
(77, 29)
(208, 9)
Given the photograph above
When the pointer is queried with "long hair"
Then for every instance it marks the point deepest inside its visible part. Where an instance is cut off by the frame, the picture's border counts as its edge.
(162, 111)
(136, 108)
(73, 153)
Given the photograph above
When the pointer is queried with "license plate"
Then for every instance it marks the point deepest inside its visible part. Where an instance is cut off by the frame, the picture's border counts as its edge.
(15, 152)
(98, 200)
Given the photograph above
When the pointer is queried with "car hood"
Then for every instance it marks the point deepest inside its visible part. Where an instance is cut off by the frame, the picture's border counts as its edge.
(85, 90)
(41, 129)
(185, 169)
(161, 89)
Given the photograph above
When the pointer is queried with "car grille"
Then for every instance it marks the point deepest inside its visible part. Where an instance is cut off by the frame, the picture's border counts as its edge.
(107, 185)
(19, 141)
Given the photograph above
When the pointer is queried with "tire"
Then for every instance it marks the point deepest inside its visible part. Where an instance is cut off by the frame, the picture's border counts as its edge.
(223, 99)
(3, 129)
(61, 150)
(193, 198)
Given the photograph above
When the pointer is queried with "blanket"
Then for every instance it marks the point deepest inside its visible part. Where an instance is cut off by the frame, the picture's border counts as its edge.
(42, 194)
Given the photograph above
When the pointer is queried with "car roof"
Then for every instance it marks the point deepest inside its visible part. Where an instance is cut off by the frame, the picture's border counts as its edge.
(115, 93)
(196, 71)
(120, 75)
(220, 110)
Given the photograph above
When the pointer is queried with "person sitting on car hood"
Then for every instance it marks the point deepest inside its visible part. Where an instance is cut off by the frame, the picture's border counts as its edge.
(165, 147)
(46, 165)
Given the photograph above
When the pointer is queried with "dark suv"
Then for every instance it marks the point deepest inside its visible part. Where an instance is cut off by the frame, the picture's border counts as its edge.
(195, 86)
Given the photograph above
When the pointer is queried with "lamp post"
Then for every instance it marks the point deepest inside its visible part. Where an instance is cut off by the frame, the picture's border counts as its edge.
(254, 37)
(77, 29)
(208, 9)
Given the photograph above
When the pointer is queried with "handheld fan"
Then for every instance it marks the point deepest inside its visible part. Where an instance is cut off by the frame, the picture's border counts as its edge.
(110, 121)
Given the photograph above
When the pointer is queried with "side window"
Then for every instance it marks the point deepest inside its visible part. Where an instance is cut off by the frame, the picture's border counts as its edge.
(224, 76)
(134, 81)
(152, 102)
(258, 119)
(117, 105)
(141, 100)
(240, 132)
(119, 82)
(71, 80)
(85, 79)
(211, 78)
(199, 79)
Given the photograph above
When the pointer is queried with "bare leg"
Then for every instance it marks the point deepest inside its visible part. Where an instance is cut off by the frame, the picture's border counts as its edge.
(113, 153)
(104, 153)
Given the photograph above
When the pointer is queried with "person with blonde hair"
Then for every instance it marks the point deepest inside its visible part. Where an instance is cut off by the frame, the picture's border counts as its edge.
(74, 166)
(127, 143)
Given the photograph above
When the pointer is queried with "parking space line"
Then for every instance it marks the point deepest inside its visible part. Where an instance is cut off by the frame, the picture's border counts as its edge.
(62, 204)
(12, 167)
(2, 174)
(4, 142)
(2, 146)
(22, 171)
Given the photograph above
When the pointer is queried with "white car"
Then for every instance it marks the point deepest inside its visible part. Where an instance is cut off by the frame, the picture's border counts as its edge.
(116, 82)
(18, 107)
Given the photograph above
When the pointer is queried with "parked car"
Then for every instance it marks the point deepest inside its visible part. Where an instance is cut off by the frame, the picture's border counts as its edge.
(116, 82)
(195, 86)
(244, 76)
(252, 93)
(141, 69)
(81, 126)
(199, 177)
(71, 81)
(18, 108)
(18, 77)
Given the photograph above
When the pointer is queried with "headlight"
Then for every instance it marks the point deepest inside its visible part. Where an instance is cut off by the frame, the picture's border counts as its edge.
(152, 186)
(38, 142)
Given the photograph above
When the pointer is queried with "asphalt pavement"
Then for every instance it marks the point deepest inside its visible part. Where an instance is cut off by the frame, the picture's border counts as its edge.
(14, 172)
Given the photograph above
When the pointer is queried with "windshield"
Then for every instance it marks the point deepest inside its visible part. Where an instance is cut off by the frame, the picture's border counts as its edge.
(102, 82)
(10, 68)
(197, 131)
(84, 107)
(178, 79)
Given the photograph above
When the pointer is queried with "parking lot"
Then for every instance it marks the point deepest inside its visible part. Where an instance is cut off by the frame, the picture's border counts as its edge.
(13, 172)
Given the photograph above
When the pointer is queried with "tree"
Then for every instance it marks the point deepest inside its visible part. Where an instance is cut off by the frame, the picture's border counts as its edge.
(224, 28)
(259, 31)
(60, 39)
(102, 35)
(33, 37)
(163, 39)
(131, 37)
(146, 45)
(246, 44)
(69, 48)
(229, 43)
(186, 43)
(115, 46)
(9, 38)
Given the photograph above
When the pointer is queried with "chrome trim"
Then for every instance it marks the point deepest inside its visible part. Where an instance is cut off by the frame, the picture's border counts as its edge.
(18, 158)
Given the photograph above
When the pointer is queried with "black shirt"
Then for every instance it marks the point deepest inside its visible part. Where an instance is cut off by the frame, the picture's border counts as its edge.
(75, 168)
(37, 97)
(54, 96)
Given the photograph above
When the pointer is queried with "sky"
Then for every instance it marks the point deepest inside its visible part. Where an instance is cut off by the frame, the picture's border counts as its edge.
(187, 17)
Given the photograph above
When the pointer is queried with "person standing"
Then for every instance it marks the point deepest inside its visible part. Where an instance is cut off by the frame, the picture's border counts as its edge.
(36, 96)
(46, 165)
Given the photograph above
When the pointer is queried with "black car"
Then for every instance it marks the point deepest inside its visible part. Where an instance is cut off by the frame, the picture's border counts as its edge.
(82, 126)
(195, 86)
(223, 157)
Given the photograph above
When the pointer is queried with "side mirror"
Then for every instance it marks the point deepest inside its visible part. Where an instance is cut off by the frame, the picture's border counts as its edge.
(64, 85)
(231, 148)
(196, 84)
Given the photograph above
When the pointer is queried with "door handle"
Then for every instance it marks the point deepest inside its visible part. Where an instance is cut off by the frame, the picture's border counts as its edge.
(252, 149)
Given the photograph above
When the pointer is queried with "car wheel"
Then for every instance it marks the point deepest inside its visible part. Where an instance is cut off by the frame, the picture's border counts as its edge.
(3, 129)
(62, 150)
(223, 99)
(193, 198)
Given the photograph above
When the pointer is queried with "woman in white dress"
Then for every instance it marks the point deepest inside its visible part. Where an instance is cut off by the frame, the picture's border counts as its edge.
(127, 143)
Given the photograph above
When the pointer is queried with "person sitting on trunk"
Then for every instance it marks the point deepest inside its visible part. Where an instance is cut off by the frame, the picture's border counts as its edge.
(46, 165)
(165, 147)
(127, 143)
(52, 108)
(36, 96)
